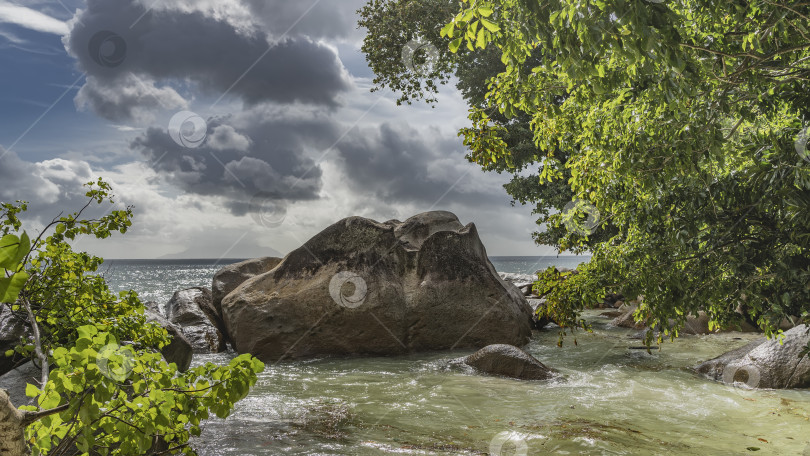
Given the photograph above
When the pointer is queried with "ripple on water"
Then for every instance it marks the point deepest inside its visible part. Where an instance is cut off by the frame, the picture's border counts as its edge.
(608, 400)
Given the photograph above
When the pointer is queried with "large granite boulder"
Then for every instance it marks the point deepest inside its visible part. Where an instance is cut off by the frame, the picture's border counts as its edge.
(233, 275)
(13, 327)
(179, 350)
(364, 287)
(193, 311)
(508, 361)
(765, 363)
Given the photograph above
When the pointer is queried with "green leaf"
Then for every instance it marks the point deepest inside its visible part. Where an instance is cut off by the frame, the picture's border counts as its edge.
(31, 390)
(448, 30)
(9, 245)
(454, 45)
(10, 287)
(490, 25)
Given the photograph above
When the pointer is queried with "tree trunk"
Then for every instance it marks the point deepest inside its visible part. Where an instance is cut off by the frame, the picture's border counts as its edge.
(12, 429)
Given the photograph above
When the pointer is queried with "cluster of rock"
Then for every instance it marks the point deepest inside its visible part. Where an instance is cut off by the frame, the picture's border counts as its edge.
(698, 324)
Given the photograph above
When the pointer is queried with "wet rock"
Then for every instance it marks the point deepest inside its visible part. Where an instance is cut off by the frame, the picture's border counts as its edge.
(193, 311)
(627, 320)
(611, 314)
(508, 361)
(537, 322)
(364, 287)
(228, 278)
(765, 364)
(179, 350)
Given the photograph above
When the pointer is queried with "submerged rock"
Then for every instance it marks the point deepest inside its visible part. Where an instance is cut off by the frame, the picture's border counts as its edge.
(764, 363)
(179, 350)
(233, 275)
(364, 287)
(508, 361)
(193, 311)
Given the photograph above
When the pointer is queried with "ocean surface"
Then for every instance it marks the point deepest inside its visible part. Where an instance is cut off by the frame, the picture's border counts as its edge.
(157, 280)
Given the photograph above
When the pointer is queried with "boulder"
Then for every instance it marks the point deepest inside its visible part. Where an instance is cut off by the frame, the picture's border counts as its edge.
(538, 323)
(765, 363)
(15, 380)
(364, 287)
(508, 361)
(523, 282)
(626, 320)
(233, 275)
(193, 311)
(179, 351)
(13, 327)
(694, 325)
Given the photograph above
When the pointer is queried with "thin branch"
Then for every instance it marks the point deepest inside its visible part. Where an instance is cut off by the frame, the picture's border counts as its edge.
(43, 358)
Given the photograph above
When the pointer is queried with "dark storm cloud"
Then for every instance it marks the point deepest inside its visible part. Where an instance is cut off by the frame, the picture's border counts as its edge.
(111, 43)
(241, 157)
(400, 164)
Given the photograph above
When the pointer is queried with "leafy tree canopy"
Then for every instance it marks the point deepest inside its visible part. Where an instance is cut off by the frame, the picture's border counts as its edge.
(105, 388)
(686, 126)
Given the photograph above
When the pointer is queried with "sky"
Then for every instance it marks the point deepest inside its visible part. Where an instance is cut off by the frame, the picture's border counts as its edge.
(235, 128)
